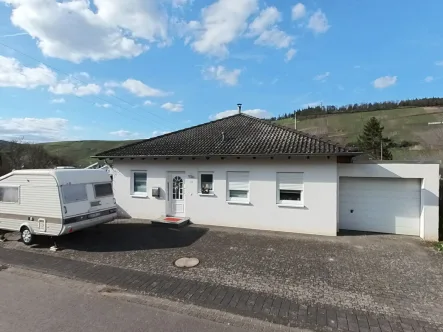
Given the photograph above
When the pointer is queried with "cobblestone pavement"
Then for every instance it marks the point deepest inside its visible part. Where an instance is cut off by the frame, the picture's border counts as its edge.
(348, 282)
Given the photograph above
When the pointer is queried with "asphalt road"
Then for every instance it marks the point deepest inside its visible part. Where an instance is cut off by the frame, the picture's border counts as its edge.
(29, 302)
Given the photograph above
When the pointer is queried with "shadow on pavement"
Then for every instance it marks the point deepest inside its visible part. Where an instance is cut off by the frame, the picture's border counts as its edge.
(344, 232)
(126, 237)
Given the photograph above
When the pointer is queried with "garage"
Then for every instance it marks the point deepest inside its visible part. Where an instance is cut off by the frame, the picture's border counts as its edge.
(384, 205)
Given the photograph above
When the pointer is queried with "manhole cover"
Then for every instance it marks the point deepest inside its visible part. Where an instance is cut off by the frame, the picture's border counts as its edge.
(186, 262)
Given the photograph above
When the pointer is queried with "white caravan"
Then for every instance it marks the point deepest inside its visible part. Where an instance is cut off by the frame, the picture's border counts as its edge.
(55, 201)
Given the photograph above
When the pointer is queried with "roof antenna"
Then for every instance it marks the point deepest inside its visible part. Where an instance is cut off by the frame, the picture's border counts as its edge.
(239, 108)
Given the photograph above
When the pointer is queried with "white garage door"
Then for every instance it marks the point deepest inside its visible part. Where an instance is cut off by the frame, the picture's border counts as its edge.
(380, 205)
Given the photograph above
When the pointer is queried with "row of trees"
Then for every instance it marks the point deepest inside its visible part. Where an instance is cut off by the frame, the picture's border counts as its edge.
(21, 155)
(321, 110)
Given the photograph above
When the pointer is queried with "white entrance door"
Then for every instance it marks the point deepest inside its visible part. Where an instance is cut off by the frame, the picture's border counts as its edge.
(383, 205)
(177, 194)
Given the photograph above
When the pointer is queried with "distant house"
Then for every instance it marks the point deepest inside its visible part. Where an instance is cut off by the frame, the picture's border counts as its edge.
(241, 171)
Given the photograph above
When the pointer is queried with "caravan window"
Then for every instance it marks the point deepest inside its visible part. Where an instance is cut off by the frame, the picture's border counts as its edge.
(74, 193)
(103, 190)
(9, 194)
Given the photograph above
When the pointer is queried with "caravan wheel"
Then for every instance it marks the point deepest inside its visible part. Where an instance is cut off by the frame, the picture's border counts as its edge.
(27, 236)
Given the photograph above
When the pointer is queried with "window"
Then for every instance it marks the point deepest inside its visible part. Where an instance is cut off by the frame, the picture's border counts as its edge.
(238, 186)
(103, 190)
(9, 194)
(73, 193)
(139, 183)
(177, 188)
(206, 183)
(290, 188)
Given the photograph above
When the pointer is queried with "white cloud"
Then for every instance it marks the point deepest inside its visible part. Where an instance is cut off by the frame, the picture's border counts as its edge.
(81, 75)
(109, 92)
(429, 79)
(14, 74)
(181, 3)
(33, 129)
(112, 84)
(148, 103)
(222, 22)
(113, 28)
(312, 104)
(220, 73)
(318, 22)
(290, 54)
(322, 77)
(384, 82)
(274, 37)
(173, 107)
(265, 29)
(159, 133)
(340, 87)
(258, 113)
(68, 87)
(58, 101)
(143, 18)
(124, 134)
(78, 128)
(439, 63)
(140, 89)
(267, 18)
(298, 11)
(105, 105)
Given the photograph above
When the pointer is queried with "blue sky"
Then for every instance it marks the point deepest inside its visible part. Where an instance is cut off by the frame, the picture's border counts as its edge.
(126, 69)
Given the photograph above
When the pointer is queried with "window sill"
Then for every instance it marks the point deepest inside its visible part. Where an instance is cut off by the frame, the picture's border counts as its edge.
(295, 206)
(239, 202)
(139, 195)
(212, 194)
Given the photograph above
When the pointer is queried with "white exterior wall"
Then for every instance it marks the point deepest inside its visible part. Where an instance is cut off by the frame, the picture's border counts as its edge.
(319, 216)
(429, 175)
(38, 195)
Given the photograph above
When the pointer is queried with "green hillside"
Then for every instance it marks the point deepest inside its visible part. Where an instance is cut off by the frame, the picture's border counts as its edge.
(402, 124)
(81, 151)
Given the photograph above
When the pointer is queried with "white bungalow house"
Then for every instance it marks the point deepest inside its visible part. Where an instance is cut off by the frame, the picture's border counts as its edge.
(241, 171)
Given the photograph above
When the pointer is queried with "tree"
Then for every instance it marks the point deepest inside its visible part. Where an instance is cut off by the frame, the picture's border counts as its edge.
(372, 141)
(19, 155)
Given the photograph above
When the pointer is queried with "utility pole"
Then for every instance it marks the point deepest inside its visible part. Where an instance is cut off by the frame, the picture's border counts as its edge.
(381, 147)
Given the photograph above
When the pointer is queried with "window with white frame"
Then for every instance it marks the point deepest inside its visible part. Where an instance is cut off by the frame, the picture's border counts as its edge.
(238, 186)
(139, 183)
(9, 194)
(206, 183)
(290, 188)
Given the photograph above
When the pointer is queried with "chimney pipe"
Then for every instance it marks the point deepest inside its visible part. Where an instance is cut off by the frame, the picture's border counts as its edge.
(239, 108)
(295, 120)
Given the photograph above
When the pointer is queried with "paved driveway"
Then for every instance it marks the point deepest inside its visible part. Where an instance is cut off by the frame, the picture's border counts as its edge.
(382, 274)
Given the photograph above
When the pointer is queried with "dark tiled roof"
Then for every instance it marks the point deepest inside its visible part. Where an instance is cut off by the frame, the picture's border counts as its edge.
(243, 135)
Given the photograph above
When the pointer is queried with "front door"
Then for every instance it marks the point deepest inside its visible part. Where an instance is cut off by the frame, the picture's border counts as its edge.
(177, 194)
